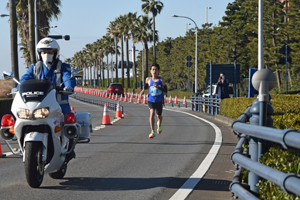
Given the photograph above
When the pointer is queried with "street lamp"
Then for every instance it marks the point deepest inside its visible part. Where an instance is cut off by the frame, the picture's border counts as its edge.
(187, 26)
(207, 13)
(5, 15)
(196, 52)
(48, 27)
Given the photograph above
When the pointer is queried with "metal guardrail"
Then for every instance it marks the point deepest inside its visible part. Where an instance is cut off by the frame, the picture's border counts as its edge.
(206, 104)
(287, 138)
(110, 106)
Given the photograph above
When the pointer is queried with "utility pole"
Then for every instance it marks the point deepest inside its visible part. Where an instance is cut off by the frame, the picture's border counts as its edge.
(31, 31)
(13, 40)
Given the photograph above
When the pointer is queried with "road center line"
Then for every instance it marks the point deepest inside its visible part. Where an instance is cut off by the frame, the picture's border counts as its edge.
(196, 177)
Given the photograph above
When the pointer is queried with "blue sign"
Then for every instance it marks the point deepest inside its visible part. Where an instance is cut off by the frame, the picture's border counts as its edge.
(251, 90)
(125, 66)
(228, 70)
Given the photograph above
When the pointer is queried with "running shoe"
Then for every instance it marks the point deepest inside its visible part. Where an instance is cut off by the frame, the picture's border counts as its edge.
(152, 134)
(159, 129)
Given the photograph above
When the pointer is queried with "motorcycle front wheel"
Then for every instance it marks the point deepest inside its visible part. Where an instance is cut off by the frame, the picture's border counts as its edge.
(34, 166)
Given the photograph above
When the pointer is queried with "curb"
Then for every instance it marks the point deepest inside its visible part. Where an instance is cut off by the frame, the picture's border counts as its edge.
(224, 119)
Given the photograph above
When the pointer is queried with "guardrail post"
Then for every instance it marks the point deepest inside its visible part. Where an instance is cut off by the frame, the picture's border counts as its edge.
(263, 81)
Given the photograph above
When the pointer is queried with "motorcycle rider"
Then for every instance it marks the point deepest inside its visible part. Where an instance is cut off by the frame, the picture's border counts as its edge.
(49, 67)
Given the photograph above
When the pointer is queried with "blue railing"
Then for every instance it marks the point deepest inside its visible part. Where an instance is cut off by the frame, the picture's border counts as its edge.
(110, 106)
(206, 104)
(246, 160)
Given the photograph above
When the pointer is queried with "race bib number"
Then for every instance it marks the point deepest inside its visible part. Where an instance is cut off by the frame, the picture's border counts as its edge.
(155, 91)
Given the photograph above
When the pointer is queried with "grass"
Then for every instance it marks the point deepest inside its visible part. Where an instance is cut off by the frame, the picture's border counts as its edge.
(5, 87)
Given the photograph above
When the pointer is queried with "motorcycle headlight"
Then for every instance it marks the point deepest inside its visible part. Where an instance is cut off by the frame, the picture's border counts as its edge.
(41, 113)
(24, 113)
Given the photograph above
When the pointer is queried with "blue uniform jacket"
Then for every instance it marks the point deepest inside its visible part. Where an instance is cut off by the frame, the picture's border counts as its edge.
(51, 76)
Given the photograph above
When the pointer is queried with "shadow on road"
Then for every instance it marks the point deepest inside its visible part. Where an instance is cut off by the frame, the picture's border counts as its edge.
(117, 184)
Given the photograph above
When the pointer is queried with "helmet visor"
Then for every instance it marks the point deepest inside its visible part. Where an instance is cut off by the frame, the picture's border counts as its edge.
(47, 50)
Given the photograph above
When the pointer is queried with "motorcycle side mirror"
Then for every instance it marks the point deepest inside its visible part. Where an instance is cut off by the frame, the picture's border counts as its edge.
(77, 73)
(8, 75)
(74, 73)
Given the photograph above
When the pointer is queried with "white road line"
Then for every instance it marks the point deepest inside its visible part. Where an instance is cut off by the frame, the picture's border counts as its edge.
(191, 183)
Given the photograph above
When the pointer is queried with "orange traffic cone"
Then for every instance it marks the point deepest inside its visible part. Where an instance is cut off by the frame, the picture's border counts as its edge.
(136, 95)
(165, 98)
(145, 101)
(176, 100)
(132, 95)
(184, 100)
(118, 112)
(131, 100)
(113, 96)
(106, 95)
(105, 119)
(139, 100)
(170, 100)
(117, 98)
(125, 98)
(121, 99)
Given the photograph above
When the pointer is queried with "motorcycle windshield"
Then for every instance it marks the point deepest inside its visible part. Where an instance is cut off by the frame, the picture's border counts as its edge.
(35, 90)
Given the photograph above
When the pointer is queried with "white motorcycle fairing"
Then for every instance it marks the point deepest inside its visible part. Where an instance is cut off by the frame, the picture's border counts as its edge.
(55, 118)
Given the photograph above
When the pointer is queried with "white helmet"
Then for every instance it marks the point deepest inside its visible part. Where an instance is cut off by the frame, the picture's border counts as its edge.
(48, 44)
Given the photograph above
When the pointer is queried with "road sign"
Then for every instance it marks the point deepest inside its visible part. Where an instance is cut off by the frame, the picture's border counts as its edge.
(189, 64)
(282, 49)
(189, 58)
(283, 60)
(227, 69)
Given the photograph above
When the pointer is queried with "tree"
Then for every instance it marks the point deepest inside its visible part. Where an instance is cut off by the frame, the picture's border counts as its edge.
(47, 11)
(144, 35)
(155, 8)
(132, 27)
(13, 40)
(113, 31)
(119, 27)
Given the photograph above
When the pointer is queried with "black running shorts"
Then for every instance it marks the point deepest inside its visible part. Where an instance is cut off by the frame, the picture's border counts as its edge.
(156, 106)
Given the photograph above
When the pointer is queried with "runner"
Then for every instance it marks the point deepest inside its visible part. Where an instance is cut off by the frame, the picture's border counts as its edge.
(157, 87)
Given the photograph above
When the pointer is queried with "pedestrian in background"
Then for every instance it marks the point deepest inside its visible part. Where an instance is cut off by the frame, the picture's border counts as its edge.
(222, 86)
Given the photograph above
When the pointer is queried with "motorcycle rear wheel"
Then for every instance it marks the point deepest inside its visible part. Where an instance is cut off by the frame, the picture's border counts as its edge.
(60, 173)
(34, 166)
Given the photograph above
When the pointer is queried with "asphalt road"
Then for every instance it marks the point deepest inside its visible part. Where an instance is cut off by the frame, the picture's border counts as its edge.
(120, 162)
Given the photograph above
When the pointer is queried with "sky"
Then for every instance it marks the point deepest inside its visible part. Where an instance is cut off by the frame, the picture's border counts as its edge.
(86, 21)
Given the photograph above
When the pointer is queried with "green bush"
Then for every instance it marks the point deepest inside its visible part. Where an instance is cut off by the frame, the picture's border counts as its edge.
(287, 161)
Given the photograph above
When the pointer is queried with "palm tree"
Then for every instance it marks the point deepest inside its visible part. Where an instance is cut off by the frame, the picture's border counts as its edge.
(144, 34)
(47, 11)
(119, 26)
(132, 27)
(88, 52)
(100, 50)
(14, 40)
(155, 8)
(124, 29)
(113, 31)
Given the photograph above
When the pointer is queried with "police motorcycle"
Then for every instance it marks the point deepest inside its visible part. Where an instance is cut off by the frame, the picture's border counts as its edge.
(45, 136)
